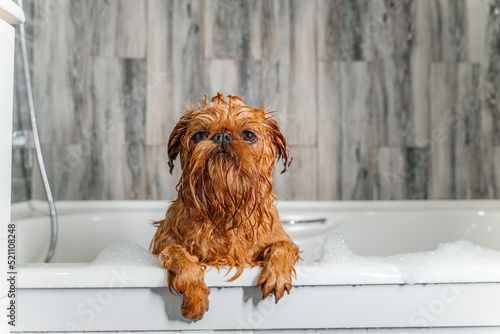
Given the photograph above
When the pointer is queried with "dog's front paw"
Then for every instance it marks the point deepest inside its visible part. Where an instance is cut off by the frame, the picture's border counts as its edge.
(274, 282)
(195, 302)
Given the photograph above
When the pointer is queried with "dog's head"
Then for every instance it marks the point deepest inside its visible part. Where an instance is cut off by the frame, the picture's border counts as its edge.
(227, 151)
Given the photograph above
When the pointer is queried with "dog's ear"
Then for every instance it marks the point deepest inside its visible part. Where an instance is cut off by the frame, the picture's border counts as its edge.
(279, 142)
(175, 142)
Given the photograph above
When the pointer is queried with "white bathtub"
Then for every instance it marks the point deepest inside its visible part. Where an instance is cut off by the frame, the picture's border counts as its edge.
(71, 295)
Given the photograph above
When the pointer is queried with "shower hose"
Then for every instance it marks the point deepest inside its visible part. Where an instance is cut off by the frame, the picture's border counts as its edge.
(41, 165)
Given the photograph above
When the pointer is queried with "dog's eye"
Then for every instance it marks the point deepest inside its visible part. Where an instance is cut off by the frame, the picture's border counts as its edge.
(199, 136)
(248, 137)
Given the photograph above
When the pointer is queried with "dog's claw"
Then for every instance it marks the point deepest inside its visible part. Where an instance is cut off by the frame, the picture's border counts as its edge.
(278, 293)
(273, 283)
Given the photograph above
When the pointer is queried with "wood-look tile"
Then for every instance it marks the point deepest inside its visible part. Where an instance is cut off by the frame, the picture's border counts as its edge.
(301, 118)
(486, 125)
(176, 65)
(491, 70)
(391, 75)
(159, 112)
(37, 191)
(65, 166)
(460, 156)
(457, 29)
(390, 174)
(119, 95)
(106, 160)
(400, 72)
(378, 99)
(329, 131)
(134, 92)
(21, 114)
(476, 11)
(448, 22)
(388, 127)
(293, 25)
(188, 49)
(344, 29)
(120, 28)
(79, 67)
(60, 79)
(396, 32)
(419, 67)
(300, 181)
(416, 173)
(271, 62)
(160, 184)
(442, 140)
(235, 77)
(481, 151)
(465, 122)
(496, 171)
(476, 131)
(18, 161)
(21, 176)
(233, 29)
(21, 190)
(344, 103)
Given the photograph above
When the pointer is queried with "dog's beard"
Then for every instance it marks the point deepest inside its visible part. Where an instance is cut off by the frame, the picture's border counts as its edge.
(223, 186)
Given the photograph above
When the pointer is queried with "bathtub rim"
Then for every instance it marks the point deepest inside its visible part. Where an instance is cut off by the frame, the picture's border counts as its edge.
(77, 275)
(22, 209)
(82, 275)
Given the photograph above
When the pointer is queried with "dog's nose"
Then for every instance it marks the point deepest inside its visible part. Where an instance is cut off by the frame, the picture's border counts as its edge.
(222, 138)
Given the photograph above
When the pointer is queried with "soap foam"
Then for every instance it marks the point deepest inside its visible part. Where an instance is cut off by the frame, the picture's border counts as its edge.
(413, 267)
(124, 253)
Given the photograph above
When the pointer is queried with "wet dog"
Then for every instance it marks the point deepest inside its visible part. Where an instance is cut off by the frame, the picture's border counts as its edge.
(225, 214)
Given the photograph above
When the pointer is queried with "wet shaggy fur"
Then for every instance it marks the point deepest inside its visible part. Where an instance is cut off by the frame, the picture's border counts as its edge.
(225, 214)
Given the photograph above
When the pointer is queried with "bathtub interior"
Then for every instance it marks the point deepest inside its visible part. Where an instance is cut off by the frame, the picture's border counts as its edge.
(373, 229)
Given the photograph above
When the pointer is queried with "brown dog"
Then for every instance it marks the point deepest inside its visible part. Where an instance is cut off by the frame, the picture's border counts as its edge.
(225, 215)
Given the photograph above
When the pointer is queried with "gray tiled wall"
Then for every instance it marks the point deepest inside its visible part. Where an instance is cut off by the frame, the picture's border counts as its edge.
(378, 99)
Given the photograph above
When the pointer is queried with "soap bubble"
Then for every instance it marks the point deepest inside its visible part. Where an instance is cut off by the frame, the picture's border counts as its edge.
(124, 253)
(413, 267)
